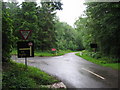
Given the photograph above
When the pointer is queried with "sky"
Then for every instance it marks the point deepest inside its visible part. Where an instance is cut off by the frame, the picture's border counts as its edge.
(72, 9)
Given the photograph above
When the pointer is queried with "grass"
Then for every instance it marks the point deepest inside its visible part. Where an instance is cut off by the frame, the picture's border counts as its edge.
(113, 65)
(103, 61)
(49, 53)
(15, 75)
(45, 53)
(14, 52)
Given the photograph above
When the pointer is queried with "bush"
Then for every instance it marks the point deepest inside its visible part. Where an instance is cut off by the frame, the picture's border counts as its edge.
(92, 54)
(100, 57)
(15, 75)
(7, 36)
(101, 60)
(21, 81)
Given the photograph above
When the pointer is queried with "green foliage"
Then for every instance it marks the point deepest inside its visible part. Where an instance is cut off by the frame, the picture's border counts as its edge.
(113, 65)
(83, 37)
(46, 53)
(97, 58)
(49, 53)
(15, 75)
(47, 31)
(14, 52)
(66, 36)
(7, 37)
(105, 29)
(46, 23)
(101, 26)
(38, 18)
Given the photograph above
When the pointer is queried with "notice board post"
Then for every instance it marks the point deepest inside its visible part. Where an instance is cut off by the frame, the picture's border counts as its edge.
(26, 62)
(25, 48)
(94, 46)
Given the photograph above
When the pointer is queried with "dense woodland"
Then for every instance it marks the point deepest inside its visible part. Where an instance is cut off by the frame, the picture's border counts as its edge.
(99, 25)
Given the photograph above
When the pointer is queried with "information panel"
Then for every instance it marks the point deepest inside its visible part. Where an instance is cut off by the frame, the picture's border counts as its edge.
(25, 49)
(92, 45)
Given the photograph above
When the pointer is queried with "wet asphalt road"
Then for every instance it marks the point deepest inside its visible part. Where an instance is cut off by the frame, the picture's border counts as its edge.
(74, 71)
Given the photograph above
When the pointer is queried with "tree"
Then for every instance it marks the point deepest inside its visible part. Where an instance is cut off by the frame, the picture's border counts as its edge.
(102, 27)
(16, 16)
(46, 16)
(7, 37)
(66, 36)
(39, 19)
(83, 36)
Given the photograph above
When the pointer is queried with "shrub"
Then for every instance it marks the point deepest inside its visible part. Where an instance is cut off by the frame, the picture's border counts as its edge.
(15, 75)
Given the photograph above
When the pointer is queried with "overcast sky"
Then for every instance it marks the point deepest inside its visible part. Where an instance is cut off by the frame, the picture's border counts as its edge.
(72, 9)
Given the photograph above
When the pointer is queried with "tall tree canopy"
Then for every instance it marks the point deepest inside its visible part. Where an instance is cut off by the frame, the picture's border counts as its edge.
(7, 35)
(66, 36)
(28, 16)
(102, 27)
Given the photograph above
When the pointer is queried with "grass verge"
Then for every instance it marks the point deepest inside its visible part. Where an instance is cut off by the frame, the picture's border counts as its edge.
(49, 53)
(15, 75)
(46, 53)
(101, 61)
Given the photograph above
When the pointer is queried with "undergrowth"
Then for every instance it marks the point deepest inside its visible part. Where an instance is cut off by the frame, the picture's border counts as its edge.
(97, 58)
(15, 75)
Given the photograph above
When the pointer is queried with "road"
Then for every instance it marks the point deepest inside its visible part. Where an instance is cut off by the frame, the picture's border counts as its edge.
(74, 71)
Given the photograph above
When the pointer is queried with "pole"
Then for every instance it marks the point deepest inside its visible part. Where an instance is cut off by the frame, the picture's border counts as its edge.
(30, 50)
(26, 62)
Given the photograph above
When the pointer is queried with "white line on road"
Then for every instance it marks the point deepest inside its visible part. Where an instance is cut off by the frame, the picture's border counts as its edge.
(93, 73)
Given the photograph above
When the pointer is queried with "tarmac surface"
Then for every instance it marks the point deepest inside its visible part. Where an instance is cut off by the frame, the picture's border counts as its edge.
(74, 71)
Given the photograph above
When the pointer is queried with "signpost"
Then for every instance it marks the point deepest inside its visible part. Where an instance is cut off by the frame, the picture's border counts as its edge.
(94, 46)
(25, 48)
(25, 34)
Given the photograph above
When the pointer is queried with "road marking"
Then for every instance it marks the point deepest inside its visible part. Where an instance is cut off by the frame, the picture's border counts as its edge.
(93, 73)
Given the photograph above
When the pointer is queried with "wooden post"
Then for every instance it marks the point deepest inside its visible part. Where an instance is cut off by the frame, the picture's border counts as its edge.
(26, 62)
